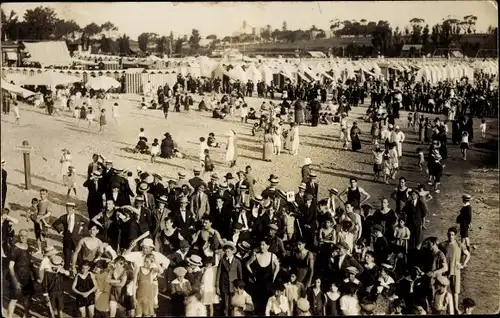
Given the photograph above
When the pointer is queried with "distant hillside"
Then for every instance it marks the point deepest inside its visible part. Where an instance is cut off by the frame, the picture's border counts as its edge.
(309, 45)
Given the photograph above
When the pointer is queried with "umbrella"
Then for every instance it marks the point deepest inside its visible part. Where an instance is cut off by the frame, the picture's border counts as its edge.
(16, 89)
(103, 82)
(50, 78)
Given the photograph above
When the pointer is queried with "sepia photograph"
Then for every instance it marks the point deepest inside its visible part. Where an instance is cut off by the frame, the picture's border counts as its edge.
(203, 159)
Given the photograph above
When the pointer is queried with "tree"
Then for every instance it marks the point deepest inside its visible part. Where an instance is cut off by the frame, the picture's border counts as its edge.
(382, 37)
(91, 30)
(105, 44)
(284, 26)
(211, 37)
(40, 22)
(194, 40)
(10, 26)
(161, 44)
(313, 28)
(108, 27)
(425, 39)
(435, 35)
(178, 45)
(66, 29)
(124, 44)
(143, 40)
(244, 25)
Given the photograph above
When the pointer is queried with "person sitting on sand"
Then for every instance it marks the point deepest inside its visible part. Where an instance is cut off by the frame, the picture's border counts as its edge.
(218, 114)
(211, 141)
(142, 145)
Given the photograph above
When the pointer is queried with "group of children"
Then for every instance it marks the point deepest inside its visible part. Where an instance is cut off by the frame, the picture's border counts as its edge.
(86, 113)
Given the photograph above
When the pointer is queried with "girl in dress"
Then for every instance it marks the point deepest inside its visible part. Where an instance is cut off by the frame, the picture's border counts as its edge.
(117, 278)
(294, 139)
(277, 140)
(208, 295)
(401, 235)
(90, 116)
(102, 120)
(66, 160)
(84, 286)
(114, 112)
(16, 112)
(155, 150)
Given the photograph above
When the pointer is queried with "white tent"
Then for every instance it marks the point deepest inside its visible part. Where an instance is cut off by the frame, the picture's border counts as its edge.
(253, 74)
(237, 73)
(306, 73)
(267, 73)
(287, 70)
(219, 72)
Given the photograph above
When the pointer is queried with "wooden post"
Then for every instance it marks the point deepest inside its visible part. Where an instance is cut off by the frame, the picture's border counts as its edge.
(27, 166)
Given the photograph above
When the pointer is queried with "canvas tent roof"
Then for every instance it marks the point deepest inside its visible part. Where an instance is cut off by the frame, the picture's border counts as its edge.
(50, 53)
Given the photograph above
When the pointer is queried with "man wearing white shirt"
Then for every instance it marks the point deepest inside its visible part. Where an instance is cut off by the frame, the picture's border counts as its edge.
(73, 227)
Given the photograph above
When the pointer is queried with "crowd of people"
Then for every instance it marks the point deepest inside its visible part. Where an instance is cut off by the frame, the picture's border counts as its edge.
(211, 245)
(218, 247)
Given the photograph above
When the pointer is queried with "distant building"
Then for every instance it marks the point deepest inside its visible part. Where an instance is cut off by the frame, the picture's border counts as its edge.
(411, 50)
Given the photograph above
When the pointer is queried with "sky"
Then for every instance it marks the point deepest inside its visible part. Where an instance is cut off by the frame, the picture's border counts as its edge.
(224, 18)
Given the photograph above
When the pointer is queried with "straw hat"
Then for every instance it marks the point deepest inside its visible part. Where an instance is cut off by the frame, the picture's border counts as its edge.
(228, 244)
(195, 260)
(143, 186)
(303, 304)
(57, 260)
(307, 161)
(352, 270)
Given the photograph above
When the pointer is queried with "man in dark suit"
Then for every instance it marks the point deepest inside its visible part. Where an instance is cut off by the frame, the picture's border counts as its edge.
(119, 178)
(308, 219)
(415, 211)
(228, 270)
(341, 261)
(300, 197)
(312, 186)
(96, 189)
(149, 199)
(184, 220)
(116, 196)
(157, 189)
(199, 203)
(196, 181)
(72, 227)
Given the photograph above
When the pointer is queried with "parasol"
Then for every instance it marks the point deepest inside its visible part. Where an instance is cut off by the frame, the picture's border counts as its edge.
(103, 82)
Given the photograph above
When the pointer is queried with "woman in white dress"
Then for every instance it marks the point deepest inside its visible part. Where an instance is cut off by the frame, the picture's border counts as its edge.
(114, 112)
(294, 139)
(65, 161)
(231, 149)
